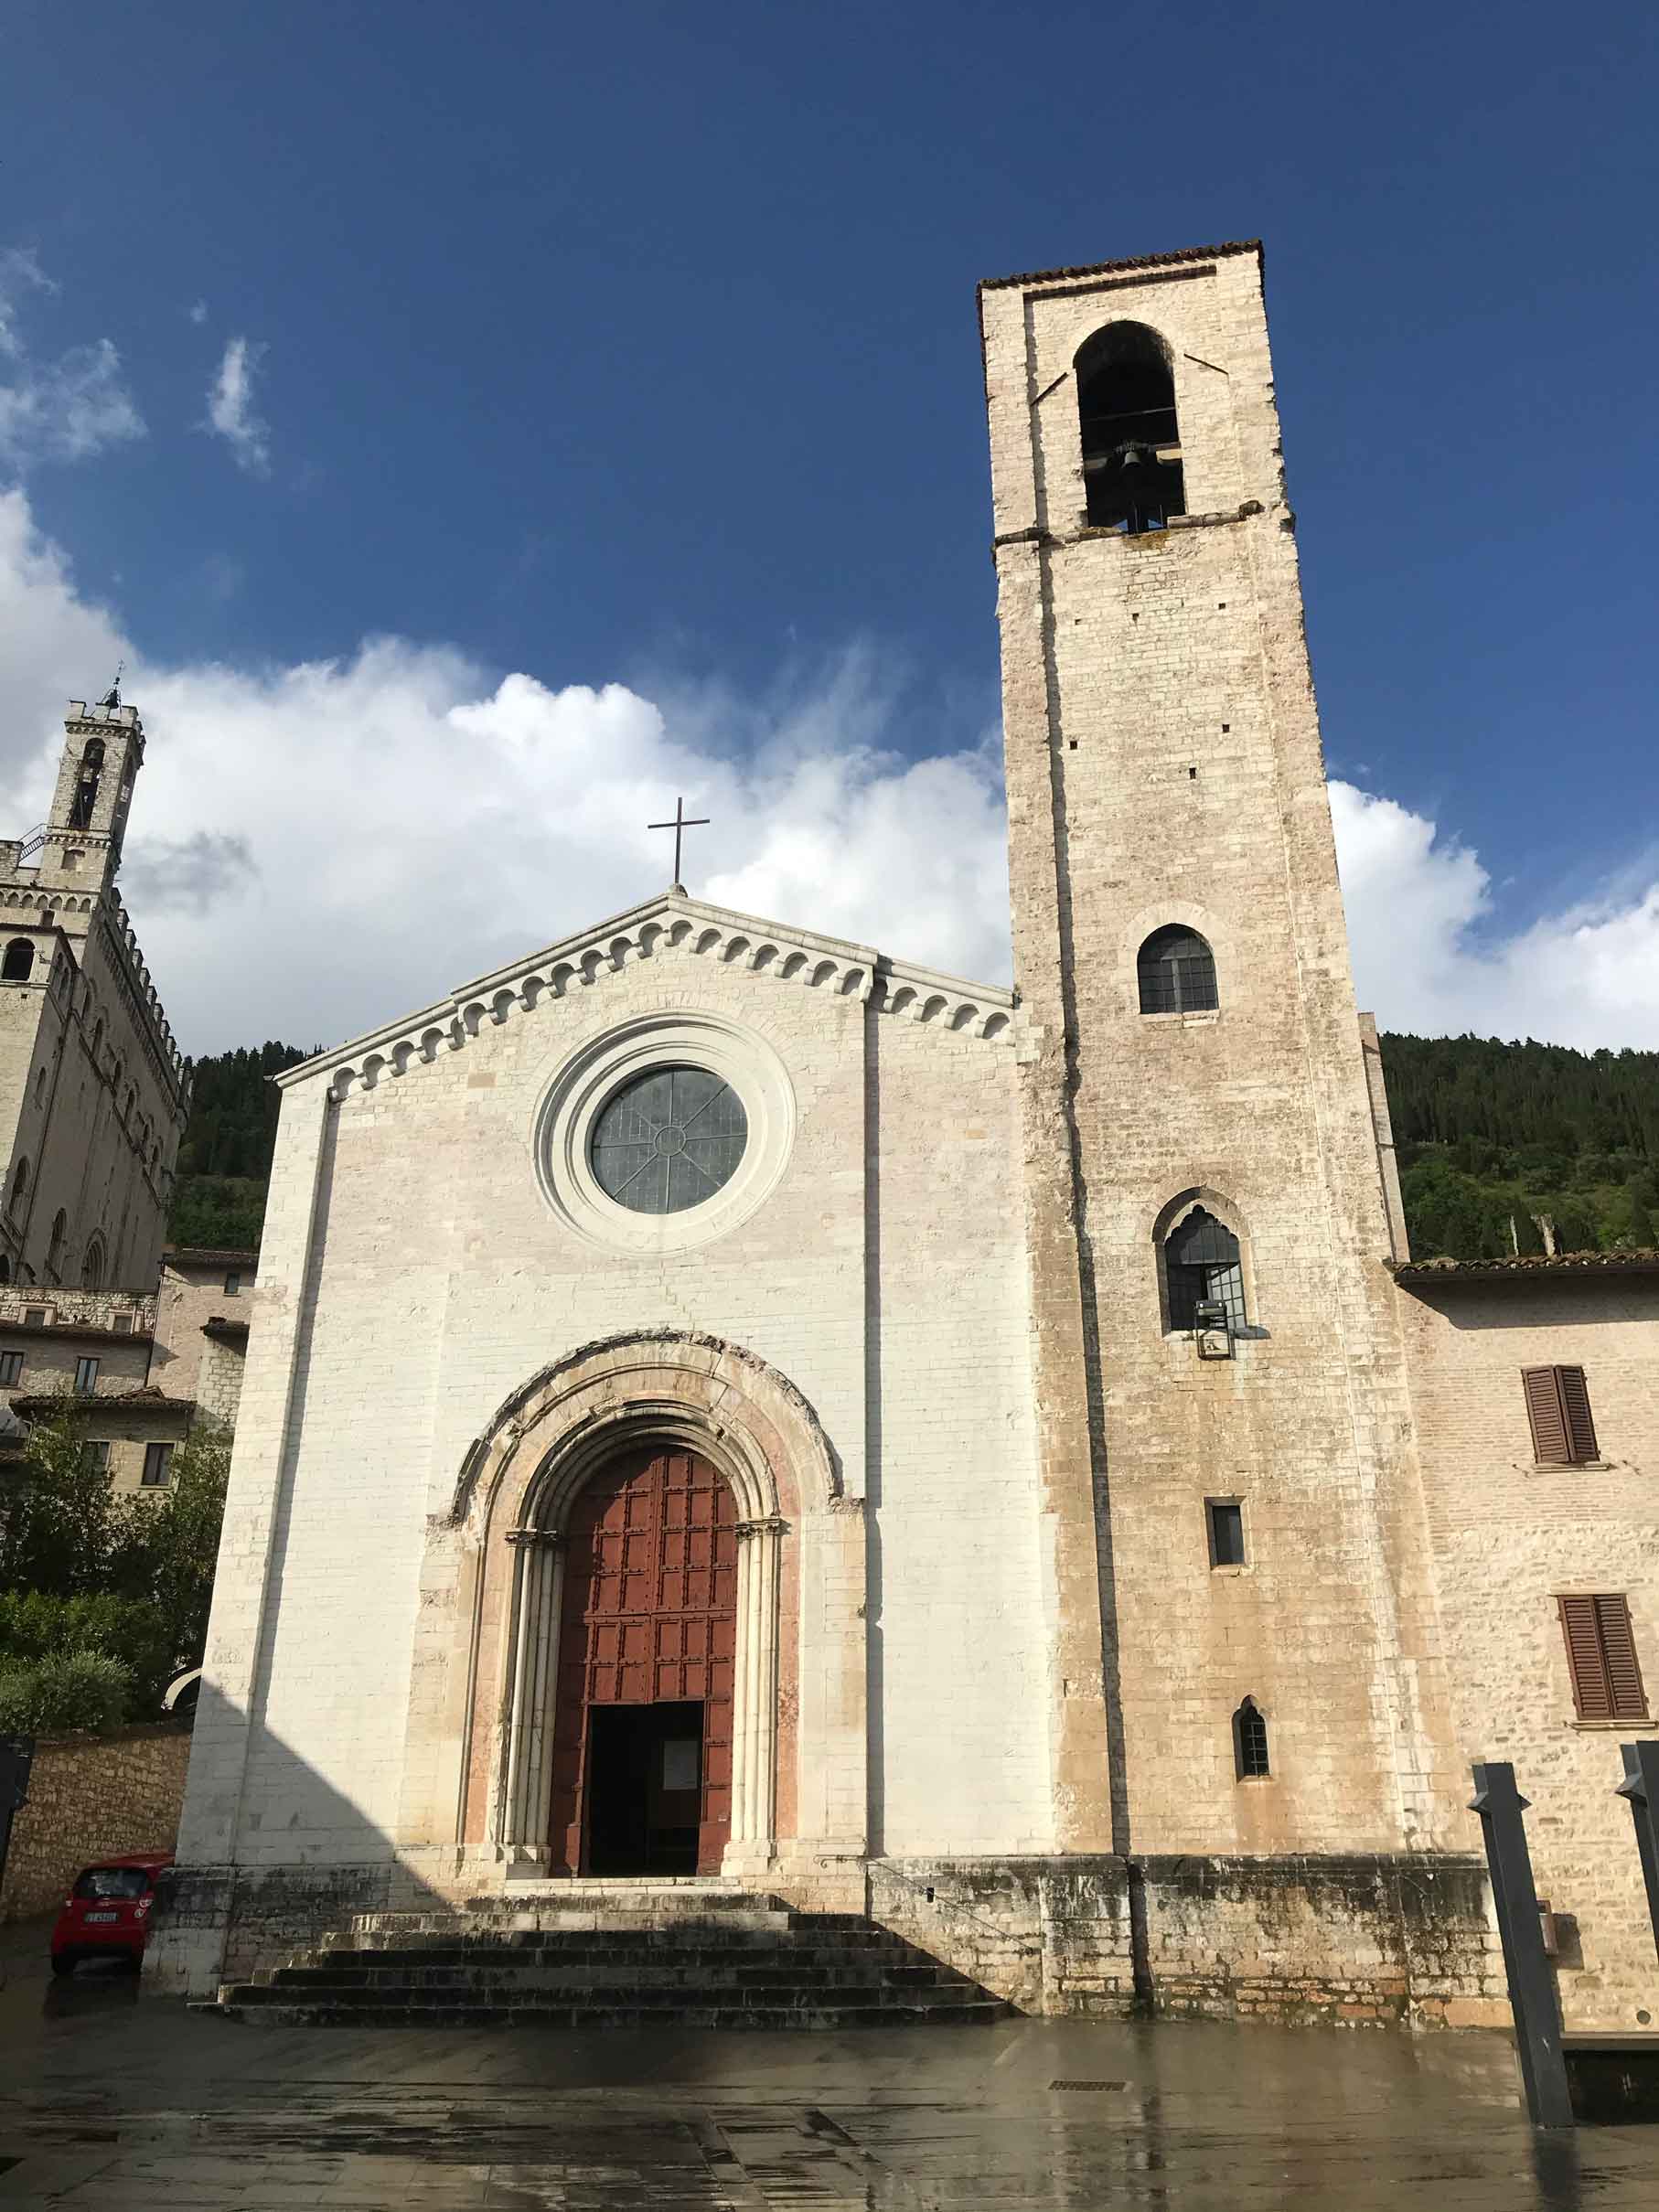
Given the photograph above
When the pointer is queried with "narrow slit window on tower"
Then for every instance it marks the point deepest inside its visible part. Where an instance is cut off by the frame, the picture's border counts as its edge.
(1250, 1742)
(1132, 444)
(19, 1181)
(1202, 1266)
(1224, 1517)
(1176, 973)
(19, 962)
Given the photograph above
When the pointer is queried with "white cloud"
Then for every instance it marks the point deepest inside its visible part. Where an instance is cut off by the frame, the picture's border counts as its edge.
(198, 313)
(318, 848)
(1427, 959)
(231, 410)
(63, 409)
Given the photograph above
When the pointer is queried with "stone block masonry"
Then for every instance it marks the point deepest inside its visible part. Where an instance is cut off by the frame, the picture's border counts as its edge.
(1365, 1940)
(92, 1797)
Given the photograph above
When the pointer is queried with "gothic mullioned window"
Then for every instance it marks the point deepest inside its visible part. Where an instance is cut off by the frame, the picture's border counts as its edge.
(1176, 972)
(667, 1140)
(1203, 1266)
(1132, 444)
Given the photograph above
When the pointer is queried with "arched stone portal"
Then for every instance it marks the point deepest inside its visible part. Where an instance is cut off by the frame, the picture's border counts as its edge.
(506, 1559)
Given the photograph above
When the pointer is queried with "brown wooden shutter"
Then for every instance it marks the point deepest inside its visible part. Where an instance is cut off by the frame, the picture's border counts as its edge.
(1551, 1445)
(1593, 1693)
(1618, 1649)
(1575, 1407)
(1602, 1658)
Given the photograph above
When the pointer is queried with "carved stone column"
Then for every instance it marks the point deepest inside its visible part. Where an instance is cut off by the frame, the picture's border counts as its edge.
(754, 1703)
(532, 1680)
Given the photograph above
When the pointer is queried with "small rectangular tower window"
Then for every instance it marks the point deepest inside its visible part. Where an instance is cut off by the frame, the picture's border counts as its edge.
(157, 1465)
(11, 1367)
(1558, 1405)
(1226, 1517)
(86, 1377)
(233, 1285)
(1602, 1658)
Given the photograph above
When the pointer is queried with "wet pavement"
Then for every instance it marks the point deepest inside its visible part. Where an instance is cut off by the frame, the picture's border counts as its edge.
(114, 2103)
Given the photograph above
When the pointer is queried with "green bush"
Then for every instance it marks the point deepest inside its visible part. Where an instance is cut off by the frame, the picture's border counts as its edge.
(70, 1692)
(34, 1625)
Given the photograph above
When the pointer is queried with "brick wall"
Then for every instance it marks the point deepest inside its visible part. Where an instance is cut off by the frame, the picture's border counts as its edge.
(1509, 1535)
(89, 1798)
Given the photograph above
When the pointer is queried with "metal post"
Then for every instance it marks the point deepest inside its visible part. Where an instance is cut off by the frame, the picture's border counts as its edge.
(16, 1757)
(1532, 1992)
(1641, 1787)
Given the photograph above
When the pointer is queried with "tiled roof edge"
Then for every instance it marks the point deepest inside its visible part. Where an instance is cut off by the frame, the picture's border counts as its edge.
(1137, 261)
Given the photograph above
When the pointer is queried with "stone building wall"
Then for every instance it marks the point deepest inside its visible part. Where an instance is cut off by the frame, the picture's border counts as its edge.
(1509, 1536)
(194, 1290)
(92, 1088)
(90, 1798)
(1163, 767)
(413, 1275)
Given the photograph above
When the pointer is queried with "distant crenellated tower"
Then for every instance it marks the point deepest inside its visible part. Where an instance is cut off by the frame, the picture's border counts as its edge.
(1248, 1651)
(93, 1092)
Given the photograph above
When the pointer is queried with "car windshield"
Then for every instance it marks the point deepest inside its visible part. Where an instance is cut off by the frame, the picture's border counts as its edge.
(112, 1882)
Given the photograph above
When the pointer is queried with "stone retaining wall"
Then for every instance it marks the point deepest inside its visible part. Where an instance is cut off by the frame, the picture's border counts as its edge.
(1367, 1939)
(90, 1797)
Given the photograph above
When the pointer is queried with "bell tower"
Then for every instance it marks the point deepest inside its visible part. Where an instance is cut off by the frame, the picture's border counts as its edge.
(103, 753)
(1219, 1358)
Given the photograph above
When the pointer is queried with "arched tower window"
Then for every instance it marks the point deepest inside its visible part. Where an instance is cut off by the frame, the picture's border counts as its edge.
(1202, 1266)
(1132, 444)
(86, 785)
(19, 1182)
(1249, 1741)
(91, 1273)
(1176, 970)
(54, 1250)
(19, 962)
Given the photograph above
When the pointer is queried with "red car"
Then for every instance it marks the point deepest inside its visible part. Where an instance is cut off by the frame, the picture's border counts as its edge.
(107, 1913)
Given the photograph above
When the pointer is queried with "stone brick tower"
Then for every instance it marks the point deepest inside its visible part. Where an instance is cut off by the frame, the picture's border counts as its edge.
(1228, 1470)
(94, 1094)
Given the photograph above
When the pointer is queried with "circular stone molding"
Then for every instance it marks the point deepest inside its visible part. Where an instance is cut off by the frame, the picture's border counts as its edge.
(564, 1122)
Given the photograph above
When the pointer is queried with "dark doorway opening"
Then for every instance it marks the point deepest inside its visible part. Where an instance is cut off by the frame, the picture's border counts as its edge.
(645, 1787)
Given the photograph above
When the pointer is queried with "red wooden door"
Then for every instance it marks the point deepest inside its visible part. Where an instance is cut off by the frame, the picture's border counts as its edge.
(649, 1614)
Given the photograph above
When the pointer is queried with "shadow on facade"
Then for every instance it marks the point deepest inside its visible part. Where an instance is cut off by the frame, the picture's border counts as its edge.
(216, 1919)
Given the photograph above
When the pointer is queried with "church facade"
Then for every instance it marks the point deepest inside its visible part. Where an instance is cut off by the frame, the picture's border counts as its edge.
(726, 1404)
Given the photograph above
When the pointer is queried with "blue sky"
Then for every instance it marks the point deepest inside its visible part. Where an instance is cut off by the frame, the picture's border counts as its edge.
(636, 347)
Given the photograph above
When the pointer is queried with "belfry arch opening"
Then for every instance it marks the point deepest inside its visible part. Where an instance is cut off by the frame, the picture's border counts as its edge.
(86, 785)
(1132, 441)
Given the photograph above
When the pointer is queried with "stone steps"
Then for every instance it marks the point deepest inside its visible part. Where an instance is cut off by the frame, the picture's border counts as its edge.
(718, 1959)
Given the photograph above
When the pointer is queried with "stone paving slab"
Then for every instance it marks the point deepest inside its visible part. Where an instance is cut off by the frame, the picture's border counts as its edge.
(111, 2104)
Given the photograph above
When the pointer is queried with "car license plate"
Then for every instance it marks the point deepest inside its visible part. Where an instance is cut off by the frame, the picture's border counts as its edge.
(102, 1915)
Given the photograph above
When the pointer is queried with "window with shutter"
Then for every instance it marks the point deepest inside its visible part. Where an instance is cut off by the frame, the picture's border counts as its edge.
(1558, 1405)
(1602, 1658)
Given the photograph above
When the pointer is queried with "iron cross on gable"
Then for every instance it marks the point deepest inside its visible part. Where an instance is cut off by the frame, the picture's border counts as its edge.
(681, 822)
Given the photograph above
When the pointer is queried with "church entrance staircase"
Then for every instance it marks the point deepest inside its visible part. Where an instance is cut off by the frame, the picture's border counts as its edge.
(613, 1954)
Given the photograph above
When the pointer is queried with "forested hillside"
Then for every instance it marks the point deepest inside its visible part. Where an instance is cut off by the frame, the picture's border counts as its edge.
(1495, 1140)
(225, 1158)
(1505, 1147)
